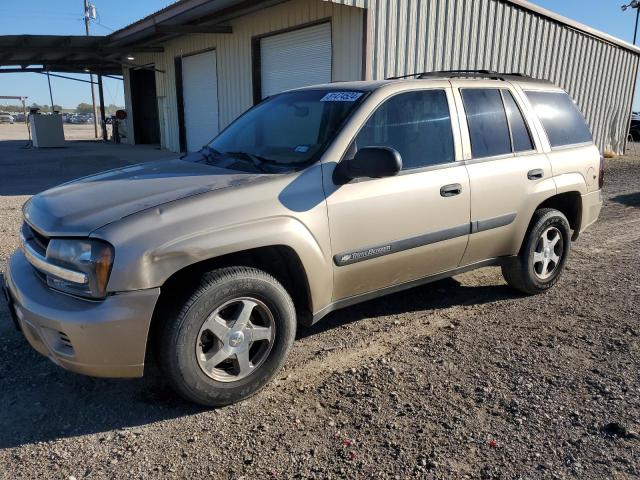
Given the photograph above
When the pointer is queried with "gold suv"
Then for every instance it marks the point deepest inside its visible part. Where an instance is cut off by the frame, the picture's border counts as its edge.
(313, 200)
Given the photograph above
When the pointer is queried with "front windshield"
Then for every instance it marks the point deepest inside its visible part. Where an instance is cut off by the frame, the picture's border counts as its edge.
(287, 130)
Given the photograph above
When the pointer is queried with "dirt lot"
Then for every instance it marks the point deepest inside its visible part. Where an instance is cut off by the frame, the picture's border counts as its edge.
(459, 379)
(18, 131)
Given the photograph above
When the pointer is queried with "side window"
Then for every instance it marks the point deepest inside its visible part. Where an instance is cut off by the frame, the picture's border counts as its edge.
(417, 124)
(519, 131)
(487, 120)
(560, 118)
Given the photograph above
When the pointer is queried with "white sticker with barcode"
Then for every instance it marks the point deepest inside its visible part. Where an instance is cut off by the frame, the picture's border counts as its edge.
(341, 97)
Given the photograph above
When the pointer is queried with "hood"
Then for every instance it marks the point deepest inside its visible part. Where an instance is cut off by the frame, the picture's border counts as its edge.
(81, 206)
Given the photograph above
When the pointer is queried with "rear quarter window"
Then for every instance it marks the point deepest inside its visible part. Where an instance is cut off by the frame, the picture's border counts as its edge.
(487, 120)
(560, 117)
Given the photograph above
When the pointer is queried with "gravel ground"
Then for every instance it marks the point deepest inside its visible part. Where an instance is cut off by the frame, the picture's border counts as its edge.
(459, 379)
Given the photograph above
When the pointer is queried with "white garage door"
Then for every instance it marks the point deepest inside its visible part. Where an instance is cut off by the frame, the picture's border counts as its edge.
(200, 98)
(295, 59)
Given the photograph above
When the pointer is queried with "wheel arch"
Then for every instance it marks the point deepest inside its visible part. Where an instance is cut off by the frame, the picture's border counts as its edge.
(570, 204)
(280, 261)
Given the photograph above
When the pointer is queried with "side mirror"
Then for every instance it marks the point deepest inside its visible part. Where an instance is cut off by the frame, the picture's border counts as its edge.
(369, 162)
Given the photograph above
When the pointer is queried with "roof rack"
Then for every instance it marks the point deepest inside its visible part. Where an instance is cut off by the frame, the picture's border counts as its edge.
(462, 74)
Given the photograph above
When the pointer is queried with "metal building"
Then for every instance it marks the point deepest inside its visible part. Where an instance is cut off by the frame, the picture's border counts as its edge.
(219, 57)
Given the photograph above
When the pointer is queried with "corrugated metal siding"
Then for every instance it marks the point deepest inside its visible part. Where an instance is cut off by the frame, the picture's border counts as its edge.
(423, 35)
(235, 91)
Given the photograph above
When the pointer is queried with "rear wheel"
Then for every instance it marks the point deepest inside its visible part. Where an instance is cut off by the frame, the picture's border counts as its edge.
(230, 338)
(544, 253)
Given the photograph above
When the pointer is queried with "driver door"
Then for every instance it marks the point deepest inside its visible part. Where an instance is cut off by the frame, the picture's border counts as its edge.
(389, 231)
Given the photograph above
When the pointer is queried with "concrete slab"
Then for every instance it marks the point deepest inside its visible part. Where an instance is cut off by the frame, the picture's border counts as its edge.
(27, 171)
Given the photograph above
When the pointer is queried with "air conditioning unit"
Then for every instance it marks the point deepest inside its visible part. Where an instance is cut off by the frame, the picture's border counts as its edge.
(46, 130)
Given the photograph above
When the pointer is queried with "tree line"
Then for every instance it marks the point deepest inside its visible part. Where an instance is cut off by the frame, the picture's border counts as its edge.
(81, 108)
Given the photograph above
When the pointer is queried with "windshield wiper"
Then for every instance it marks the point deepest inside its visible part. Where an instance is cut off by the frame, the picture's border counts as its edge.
(256, 160)
(272, 162)
(208, 153)
(261, 159)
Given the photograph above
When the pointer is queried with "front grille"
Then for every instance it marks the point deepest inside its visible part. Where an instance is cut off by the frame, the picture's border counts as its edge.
(57, 341)
(64, 339)
(39, 241)
(64, 347)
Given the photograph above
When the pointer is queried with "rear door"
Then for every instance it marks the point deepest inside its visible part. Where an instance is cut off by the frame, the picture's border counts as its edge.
(389, 231)
(509, 173)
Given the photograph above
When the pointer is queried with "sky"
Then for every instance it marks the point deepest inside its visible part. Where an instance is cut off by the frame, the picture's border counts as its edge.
(65, 17)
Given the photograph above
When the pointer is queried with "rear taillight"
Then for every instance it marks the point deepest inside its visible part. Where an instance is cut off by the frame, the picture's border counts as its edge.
(601, 173)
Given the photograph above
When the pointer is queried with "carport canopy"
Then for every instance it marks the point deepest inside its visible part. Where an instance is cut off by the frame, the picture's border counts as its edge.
(64, 53)
(67, 54)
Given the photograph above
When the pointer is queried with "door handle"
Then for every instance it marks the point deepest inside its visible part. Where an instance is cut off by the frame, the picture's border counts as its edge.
(535, 174)
(451, 190)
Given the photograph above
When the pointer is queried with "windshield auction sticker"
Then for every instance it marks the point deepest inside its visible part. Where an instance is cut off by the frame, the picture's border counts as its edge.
(341, 97)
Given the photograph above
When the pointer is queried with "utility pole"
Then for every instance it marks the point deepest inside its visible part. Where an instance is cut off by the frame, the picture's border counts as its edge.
(50, 92)
(634, 4)
(87, 20)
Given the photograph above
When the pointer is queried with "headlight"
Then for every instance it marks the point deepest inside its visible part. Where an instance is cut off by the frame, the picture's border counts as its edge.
(92, 257)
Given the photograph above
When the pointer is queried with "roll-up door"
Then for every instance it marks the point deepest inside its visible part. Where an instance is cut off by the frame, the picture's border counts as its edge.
(295, 59)
(200, 98)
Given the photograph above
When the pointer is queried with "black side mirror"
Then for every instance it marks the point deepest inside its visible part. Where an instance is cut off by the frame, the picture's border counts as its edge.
(369, 162)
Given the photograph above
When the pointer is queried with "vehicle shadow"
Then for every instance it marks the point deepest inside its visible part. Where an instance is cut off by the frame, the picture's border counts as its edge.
(42, 402)
(628, 199)
(434, 296)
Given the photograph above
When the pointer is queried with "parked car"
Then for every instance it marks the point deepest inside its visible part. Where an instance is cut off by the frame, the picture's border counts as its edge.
(315, 199)
(80, 118)
(6, 118)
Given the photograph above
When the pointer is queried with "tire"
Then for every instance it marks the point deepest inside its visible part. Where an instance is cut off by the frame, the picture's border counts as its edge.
(250, 354)
(528, 272)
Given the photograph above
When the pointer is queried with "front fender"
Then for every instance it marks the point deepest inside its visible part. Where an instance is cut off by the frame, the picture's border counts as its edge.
(147, 263)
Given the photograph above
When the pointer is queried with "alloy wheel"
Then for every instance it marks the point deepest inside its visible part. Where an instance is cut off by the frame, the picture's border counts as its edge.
(235, 339)
(548, 253)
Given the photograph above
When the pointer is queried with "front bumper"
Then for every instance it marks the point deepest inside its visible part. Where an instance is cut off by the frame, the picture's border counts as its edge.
(102, 339)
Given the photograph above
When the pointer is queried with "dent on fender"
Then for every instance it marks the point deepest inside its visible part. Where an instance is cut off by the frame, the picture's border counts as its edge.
(157, 243)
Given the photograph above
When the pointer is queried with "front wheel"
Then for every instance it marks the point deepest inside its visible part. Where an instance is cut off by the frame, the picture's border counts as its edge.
(544, 253)
(230, 338)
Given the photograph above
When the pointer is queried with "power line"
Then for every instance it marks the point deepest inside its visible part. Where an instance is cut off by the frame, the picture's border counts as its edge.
(105, 27)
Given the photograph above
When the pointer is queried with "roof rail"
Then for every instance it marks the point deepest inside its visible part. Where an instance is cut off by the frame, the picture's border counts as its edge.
(462, 74)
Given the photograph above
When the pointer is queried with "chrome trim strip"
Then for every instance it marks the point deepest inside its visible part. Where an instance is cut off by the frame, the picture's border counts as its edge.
(368, 253)
(347, 258)
(41, 263)
(491, 223)
(569, 146)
